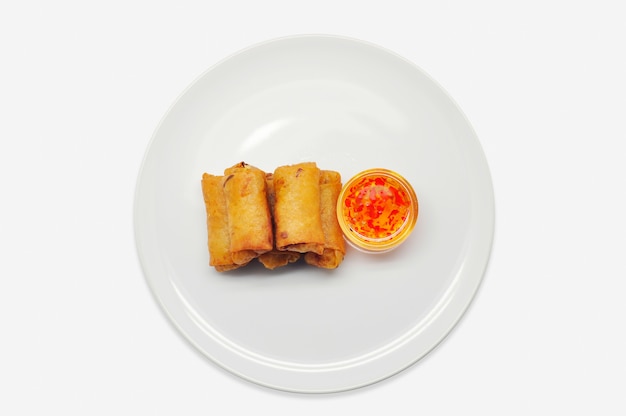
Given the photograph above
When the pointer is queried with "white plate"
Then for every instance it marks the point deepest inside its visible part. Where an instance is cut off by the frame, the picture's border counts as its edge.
(347, 105)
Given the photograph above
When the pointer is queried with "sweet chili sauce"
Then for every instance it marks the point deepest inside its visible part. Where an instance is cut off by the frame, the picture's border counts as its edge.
(377, 209)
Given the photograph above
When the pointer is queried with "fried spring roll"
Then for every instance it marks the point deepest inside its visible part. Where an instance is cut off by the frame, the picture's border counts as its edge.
(275, 258)
(220, 255)
(249, 221)
(297, 211)
(334, 244)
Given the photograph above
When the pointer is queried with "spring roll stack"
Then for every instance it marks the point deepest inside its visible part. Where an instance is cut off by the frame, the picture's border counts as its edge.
(273, 217)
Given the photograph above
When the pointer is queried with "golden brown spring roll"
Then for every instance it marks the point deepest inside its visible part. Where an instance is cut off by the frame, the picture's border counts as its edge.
(220, 255)
(334, 244)
(275, 258)
(249, 221)
(297, 212)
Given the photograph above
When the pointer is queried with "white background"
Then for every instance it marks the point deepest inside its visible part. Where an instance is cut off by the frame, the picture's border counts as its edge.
(84, 85)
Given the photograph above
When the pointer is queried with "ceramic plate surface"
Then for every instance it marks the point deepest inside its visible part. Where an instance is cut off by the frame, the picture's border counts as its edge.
(349, 106)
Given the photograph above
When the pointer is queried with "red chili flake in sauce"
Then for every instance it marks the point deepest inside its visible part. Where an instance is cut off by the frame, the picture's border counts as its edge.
(376, 207)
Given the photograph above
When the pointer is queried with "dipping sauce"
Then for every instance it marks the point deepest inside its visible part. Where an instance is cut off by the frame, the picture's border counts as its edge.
(377, 210)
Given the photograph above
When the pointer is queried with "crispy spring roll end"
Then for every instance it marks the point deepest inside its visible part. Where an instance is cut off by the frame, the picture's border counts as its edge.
(330, 259)
(229, 267)
(274, 259)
